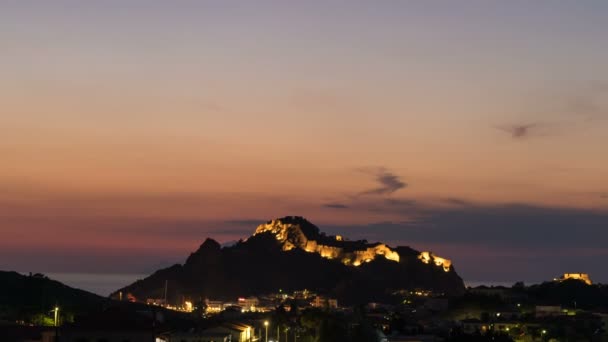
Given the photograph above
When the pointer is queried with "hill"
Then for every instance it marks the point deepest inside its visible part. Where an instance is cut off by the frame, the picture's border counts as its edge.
(31, 298)
(293, 254)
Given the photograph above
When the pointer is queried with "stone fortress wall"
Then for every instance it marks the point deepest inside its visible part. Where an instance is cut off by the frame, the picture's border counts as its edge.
(292, 236)
(428, 257)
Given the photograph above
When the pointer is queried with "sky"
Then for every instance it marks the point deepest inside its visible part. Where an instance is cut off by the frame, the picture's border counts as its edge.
(133, 130)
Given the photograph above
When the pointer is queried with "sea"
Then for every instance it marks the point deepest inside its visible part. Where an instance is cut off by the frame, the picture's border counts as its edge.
(104, 284)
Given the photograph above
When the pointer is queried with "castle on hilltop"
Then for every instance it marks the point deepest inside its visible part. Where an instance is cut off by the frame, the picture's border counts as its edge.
(584, 277)
(297, 232)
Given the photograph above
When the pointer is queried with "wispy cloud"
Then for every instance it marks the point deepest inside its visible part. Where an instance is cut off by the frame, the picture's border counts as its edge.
(335, 205)
(400, 202)
(457, 201)
(377, 198)
(388, 182)
(519, 131)
(587, 100)
(246, 222)
(559, 109)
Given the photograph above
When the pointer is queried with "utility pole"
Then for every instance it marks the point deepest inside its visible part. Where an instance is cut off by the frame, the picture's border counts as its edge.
(166, 285)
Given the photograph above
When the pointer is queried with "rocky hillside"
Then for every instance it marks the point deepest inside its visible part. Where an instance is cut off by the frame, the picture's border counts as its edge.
(293, 254)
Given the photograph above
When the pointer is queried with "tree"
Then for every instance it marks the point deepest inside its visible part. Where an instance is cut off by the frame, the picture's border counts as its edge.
(200, 307)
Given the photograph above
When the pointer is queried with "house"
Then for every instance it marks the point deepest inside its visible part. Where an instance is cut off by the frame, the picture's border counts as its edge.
(323, 302)
(214, 306)
(249, 303)
(238, 332)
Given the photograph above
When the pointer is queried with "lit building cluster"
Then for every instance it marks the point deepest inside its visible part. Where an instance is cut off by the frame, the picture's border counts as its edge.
(186, 305)
(268, 303)
(242, 304)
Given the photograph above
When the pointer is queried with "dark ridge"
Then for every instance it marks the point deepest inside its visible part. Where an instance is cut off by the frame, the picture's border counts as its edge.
(259, 265)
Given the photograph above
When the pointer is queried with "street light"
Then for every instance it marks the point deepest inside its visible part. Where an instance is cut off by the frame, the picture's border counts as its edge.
(266, 325)
(56, 314)
(56, 311)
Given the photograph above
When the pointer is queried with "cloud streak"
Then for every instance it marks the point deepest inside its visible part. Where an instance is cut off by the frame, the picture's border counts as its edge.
(519, 131)
(587, 101)
(335, 206)
(562, 238)
(388, 182)
(375, 199)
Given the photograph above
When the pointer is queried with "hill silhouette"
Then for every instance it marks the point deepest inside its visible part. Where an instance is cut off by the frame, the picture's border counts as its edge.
(30, 298)
(292, 254)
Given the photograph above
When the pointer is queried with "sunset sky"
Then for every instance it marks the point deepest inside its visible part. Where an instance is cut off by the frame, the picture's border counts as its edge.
(133, 130)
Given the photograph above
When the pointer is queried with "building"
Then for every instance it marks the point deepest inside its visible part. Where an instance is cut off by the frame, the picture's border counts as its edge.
(324, 302)
(249, 303)
(238, 332)
(474, 326)
(156, 301)
(584, 277)
(303, 294)
(214, 306)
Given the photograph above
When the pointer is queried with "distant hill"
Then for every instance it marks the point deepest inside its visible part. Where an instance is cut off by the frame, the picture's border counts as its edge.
(31, 298)
(292, 254)
(570, 293)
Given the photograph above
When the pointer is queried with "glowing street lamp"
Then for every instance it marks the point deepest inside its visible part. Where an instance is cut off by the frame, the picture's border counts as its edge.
(56, 312)
(56, 316)
(266, 325)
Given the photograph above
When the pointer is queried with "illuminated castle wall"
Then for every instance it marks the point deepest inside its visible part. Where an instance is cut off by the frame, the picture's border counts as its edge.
(291, 236)
(576, 276)
(428, 258)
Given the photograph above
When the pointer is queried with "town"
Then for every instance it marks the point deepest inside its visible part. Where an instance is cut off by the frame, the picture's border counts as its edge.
(568, 308)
